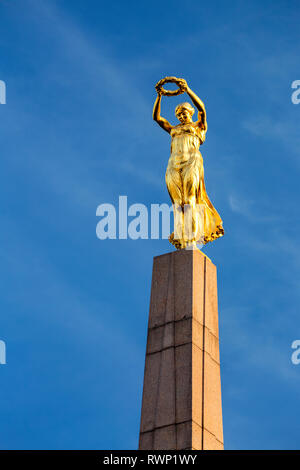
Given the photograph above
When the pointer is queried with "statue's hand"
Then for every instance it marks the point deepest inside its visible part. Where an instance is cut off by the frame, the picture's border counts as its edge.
(183, 83)
(158, 90)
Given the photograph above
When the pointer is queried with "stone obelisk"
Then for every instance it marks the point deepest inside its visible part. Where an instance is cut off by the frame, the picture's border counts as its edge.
(181, 406)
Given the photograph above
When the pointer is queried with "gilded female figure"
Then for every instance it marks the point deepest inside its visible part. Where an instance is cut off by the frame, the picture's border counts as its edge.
(196, 221)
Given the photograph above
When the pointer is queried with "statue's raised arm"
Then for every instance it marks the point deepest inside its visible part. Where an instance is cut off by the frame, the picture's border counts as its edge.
(201, 109)
(182, 87)
(156, 114)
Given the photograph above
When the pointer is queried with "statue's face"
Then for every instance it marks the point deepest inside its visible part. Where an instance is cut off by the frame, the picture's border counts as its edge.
(184, 116)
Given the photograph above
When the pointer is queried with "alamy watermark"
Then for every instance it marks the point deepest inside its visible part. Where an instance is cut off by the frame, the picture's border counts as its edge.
(154, 224)
(295, 358)
(2, 352)
(2, 92)
(296, 94)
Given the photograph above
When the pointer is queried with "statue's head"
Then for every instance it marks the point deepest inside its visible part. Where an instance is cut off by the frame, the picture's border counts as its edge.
(184, 112)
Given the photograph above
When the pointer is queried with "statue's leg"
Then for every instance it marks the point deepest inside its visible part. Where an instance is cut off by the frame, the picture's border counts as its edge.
(192, 211)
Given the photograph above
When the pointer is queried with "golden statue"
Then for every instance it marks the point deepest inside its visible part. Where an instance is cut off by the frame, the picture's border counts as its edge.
(196, 221)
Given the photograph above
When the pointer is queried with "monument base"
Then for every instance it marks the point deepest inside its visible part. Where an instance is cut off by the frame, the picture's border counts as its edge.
(181, 406)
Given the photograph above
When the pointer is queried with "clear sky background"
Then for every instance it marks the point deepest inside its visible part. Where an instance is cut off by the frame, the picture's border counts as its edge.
(76, 132)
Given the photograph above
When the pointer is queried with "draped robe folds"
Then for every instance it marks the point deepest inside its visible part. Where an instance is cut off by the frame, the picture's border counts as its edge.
(195, 218)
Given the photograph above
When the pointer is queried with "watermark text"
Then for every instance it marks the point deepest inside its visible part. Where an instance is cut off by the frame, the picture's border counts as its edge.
(114, 221)
(2, 352)
(2, 92)
(296, 94)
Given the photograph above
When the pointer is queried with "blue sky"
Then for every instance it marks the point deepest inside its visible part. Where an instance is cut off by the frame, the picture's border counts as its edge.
(76, 132)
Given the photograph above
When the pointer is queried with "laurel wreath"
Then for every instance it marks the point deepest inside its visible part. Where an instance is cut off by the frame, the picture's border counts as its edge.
(159, 86)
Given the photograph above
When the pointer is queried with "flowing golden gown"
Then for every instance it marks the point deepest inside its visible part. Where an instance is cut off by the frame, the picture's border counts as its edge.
(185, 183)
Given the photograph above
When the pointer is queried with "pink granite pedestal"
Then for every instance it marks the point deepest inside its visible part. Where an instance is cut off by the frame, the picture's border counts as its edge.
(182, 406)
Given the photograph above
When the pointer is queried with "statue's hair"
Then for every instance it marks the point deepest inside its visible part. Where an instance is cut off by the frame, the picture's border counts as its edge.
(186, 106)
